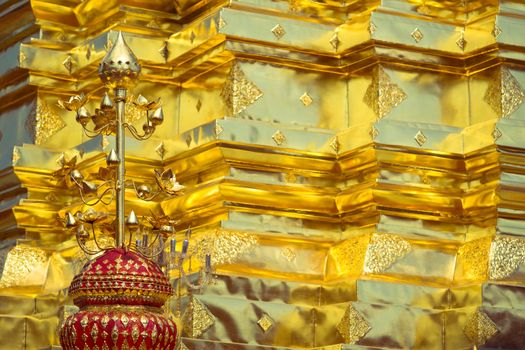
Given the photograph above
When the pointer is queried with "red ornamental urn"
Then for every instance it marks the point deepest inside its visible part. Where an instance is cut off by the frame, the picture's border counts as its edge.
(120, 295)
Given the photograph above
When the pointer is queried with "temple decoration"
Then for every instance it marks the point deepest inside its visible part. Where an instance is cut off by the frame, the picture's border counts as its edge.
(121, 293)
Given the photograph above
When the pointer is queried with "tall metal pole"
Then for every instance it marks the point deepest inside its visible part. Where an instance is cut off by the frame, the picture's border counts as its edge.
(120, 99)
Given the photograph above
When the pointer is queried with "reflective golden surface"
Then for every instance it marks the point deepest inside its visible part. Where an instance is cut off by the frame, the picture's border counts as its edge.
(355, 167)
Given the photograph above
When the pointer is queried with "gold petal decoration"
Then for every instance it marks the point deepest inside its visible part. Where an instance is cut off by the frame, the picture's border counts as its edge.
(335, 144)
(496, 134)
(479, 328)
(265, 322)
(161, 150)
(383, 251)
(224, 246)
(217, 129)
(43, 123)
(504, 93)
(506, 255)
(353, 326)
(197, 319)
(306, 99)
(383, 95)
(238, 92)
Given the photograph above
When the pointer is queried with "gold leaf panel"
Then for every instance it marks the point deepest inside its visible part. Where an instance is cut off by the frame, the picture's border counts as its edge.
(383, 251)
(353, 326)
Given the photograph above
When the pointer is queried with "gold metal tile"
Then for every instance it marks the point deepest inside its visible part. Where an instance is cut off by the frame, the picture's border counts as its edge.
(353, 326)
(417, 35)
(306, 99)
(479, 328)
(278, 31)
(265, 322)
(279, 138)
(420, 138)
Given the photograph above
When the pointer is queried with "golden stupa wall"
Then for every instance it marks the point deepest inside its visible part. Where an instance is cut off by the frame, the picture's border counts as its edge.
(354, 167)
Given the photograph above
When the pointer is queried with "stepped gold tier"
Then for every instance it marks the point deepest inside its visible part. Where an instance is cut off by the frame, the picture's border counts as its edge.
(356, 169)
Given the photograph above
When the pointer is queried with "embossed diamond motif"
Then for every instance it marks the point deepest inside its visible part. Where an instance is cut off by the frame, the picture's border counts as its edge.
(496, 31)
(197, 319)
(288, 253)
(306, 99)
(335, 144)
(496, 134)
(198, 106)
(164, 51)
(279, 137)
(265, 322)
(278, 31)
(504, 94)
(334, 41)
(238, 93)
(479, 328)
(108, 45)
(161, 150)
(383, 95)
(420, 138)
(221, 23)
(188, 140)
(353, 326)
(372, 28)
(383, 251)
(374, 132)
(218, 129)
(192, 37)
(461, 42)
(68, 63)
(417, 35)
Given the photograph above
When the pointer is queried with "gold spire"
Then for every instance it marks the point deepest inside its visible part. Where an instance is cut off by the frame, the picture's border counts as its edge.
(120, 67)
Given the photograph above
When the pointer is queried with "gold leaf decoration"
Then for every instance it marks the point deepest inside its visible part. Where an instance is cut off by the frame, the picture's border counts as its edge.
(238, 92)
(474, 256)
(353, 326)
(506, 255)
(288, 253)
(224, 246)
(420, 138)
(43, 123)
(383, 95)
(479, 328)
(197, 319)
(265, 322)
(383, 251)
(24, 266)
(350, 254)
(278, 137)
(504, 93)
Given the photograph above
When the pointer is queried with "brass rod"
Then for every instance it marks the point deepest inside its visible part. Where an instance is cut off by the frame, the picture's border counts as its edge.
(120, 99)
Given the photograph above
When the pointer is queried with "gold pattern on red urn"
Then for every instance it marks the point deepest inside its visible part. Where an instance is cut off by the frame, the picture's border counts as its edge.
(120, 295)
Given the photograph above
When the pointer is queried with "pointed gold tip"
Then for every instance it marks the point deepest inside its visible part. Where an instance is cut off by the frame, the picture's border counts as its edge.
(120, 67)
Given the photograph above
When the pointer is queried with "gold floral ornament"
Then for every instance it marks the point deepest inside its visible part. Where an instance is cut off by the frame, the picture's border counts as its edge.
(197, 319)
(474, 256)
(479, 328)
(43, 123)
(238, 92)
(225, 247)
(504, 93)
(506, 255)
(383, 251)
(353, 326)
(24, 266)
(383, 95)
(350, 254)
(74, 103)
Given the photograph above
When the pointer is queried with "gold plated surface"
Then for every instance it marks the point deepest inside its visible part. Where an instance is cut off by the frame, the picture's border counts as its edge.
(352, 166)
